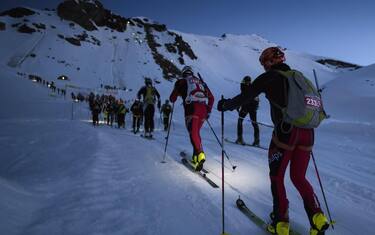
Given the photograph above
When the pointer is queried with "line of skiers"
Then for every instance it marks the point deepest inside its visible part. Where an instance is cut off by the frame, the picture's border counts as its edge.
(292, 139)
(51, 85)
(115, 110)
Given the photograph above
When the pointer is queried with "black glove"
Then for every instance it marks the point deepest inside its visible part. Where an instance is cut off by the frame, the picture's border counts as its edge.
(221, 105)
(159, 104)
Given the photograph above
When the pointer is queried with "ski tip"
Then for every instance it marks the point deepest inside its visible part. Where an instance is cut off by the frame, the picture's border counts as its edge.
(239, 202)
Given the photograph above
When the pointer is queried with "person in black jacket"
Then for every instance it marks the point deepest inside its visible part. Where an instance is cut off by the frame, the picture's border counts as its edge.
(166, 110)
(249, 108)
(289, 144)
(137, 111)
(149, 94)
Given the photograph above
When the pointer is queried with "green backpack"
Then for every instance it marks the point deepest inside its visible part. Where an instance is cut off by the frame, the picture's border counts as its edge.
(149, 97)
(304, 107)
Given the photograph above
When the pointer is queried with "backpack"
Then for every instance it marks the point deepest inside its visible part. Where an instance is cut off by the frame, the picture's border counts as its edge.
(196, 91)
(149, 97)
(304, 107)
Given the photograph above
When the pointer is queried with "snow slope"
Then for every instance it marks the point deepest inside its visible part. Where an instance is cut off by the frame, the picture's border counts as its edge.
(62, 176)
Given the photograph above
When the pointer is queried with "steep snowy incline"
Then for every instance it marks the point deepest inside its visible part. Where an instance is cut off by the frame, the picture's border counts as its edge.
(351, 97)
(62, 176)
(145, 49)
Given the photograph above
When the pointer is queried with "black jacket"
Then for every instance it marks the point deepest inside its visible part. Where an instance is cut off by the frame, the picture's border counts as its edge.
(273, 84)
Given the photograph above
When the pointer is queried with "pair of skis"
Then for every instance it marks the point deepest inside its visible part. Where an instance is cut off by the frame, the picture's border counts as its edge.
(246, 144)
(202, 174)
(256, 219)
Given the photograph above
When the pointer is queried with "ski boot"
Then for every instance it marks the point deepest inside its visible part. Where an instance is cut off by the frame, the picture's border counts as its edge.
(320, 224)
(197, 161)
(240, 141)
(281, 228)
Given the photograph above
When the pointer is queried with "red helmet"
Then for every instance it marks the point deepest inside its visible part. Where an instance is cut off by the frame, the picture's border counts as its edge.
(271, 56)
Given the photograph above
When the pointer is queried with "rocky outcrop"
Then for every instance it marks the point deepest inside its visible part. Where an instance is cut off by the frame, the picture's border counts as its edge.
(73, 41)
(2, 26)
(339, 64)
(89, 14)
(26, 29)
(73, 11)
(18, 12)
(170, 70)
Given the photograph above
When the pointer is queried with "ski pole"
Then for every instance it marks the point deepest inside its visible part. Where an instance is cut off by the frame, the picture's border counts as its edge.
(222, 168)
(319, 92)
(221, 145)
(262, 124)
(321, 187)
(166, 141)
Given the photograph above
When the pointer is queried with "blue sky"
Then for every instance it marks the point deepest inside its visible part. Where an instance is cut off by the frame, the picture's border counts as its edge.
(336, 28)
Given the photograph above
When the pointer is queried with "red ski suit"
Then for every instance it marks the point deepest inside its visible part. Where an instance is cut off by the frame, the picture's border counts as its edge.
(195, 112)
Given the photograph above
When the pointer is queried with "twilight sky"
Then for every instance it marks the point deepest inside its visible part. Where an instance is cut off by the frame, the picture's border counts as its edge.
(340, 29)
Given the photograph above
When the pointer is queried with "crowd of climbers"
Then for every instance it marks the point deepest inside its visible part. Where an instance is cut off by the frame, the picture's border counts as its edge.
(289, 142)
(48, 84)
(115, 110)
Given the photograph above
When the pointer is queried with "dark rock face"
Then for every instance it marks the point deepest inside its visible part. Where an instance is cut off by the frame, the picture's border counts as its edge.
(84, 13)
(72, 11)
(18, 12)
(170, 70)
(40, 26)
(339, 64)
(26, 29)
(74, 41)
(2, 26)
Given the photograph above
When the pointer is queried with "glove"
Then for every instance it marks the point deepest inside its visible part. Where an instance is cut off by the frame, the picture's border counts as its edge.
(159, 104)
(221, 105)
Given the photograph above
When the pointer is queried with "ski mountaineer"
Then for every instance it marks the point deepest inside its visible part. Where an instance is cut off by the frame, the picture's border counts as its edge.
(288, 144)
(149, 94)
(166, 110)
(137, 111)
(248, 108)
(198, 101)
(121, 112)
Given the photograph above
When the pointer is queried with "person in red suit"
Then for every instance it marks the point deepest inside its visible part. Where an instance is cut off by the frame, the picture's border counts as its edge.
(198, 101)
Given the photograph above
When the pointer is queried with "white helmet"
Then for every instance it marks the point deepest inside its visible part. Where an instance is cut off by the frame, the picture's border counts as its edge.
(186, 71)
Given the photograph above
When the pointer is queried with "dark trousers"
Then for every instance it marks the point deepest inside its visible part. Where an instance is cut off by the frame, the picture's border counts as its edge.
(136, 123)
(121, 120)
(166, 122)
(110, 119)
(95, 118)
(253, 117)
(149, 118)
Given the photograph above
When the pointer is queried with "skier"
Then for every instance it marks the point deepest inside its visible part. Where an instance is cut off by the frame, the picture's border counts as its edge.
(166, 109)
(95, 111)
(111, 109)
(289, 144)
(198, 100)
(248, 108)
(121, 112)
(137, 111)
(149, 94)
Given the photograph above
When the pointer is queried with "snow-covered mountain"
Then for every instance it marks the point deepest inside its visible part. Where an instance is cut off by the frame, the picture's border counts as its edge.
(61, 176)
(93, 46)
